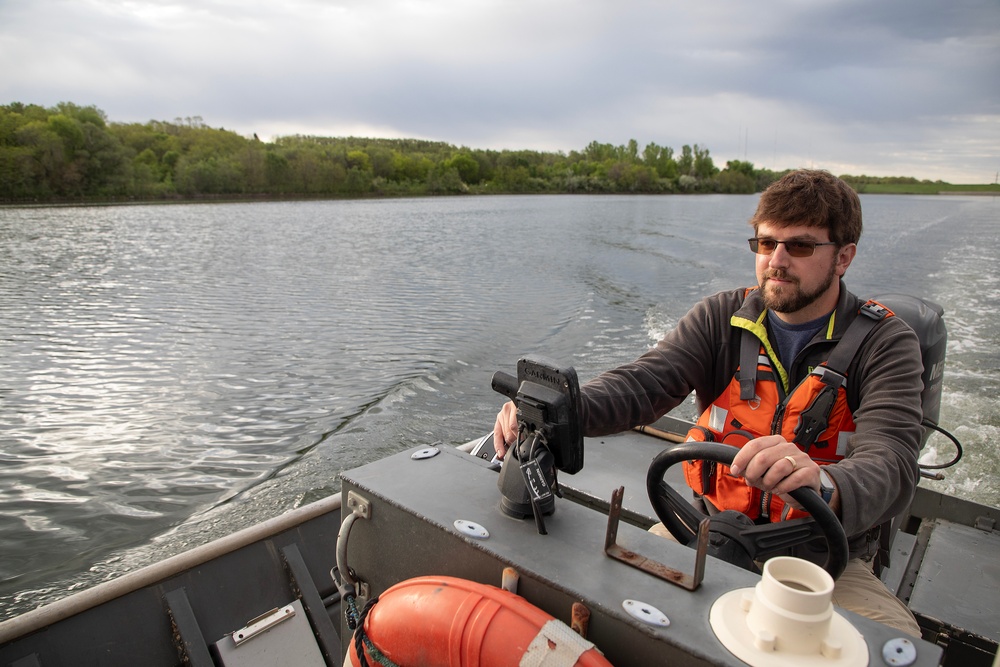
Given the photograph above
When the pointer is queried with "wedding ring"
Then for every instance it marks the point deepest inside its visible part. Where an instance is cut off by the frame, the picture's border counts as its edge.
(792, 461)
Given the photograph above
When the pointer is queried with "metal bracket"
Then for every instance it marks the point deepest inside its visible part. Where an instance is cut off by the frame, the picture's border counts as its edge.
(263, 623)
(360, 508)
(359, 505)
(656, 569)
(986, 524)
(281, 636)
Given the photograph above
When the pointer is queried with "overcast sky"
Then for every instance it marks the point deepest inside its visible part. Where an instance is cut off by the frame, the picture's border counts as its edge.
(897, 87)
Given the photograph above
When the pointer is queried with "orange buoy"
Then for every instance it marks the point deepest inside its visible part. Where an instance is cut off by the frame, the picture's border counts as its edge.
(451, 622)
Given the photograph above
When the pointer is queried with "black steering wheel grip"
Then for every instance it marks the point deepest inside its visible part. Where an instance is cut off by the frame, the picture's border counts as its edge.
(681, 518)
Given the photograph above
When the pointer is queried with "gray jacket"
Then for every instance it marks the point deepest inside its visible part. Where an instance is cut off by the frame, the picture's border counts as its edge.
(876, 479)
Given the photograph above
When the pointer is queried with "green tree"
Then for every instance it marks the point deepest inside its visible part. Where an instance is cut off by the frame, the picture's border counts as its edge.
(277, 172)
(70, 131)
(207, 176)
(595, 152)
(741, 167)
(44, 169)
(381, 158)
(145, 175)
(660, 158)
(15, 181)
(358, 159)
(358, 181)
(735, 182)
(414, 168)
(445, 180)
(703, 165)
(632, 151)
(466, 166)
(685, 165)
(75, 151)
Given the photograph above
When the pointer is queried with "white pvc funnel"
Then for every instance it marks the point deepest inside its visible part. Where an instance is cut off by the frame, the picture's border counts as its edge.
(788, 620)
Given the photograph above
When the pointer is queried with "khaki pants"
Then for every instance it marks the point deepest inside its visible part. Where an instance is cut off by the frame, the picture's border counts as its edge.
(860, 591)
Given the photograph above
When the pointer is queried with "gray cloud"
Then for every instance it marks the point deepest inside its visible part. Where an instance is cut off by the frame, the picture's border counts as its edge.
(893, 87)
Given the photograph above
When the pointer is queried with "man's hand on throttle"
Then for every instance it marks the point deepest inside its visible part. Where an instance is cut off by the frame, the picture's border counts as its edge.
(505, 428)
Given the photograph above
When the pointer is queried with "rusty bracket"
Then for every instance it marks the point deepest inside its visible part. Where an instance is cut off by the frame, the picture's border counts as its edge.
(658, 570)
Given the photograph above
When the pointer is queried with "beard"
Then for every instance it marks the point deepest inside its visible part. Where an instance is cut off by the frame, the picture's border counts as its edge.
(791, 298)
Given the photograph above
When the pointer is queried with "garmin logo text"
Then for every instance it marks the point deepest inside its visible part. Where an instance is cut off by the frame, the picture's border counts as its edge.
(540, 374)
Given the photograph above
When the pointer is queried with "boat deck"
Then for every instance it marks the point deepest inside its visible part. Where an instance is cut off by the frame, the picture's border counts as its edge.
(192, 608)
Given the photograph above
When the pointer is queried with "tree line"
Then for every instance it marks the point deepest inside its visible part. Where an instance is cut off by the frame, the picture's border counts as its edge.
(73, 153)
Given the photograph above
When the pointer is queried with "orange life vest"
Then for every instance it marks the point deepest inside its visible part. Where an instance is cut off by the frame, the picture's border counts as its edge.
(815, 415)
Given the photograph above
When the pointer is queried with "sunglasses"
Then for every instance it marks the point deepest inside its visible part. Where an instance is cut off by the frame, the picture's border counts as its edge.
(763, 246)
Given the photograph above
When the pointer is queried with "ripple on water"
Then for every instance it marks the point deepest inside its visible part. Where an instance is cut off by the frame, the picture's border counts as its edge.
(172, 373)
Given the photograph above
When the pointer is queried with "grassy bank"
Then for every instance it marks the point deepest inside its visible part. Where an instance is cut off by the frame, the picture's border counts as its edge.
(927, 188)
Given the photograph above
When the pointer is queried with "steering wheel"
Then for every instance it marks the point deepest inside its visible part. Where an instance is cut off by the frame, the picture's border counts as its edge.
(733, 529)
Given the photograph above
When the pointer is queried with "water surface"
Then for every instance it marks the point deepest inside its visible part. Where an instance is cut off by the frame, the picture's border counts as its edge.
(170, 374)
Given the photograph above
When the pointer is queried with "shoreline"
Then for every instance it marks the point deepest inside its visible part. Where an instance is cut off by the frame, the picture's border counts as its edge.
(239, 199)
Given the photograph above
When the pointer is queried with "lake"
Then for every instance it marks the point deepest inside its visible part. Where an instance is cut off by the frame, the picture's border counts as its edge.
(173, 373)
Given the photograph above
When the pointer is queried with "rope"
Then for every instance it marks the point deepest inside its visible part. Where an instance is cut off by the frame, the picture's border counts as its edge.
(356, 622)
(351, 612)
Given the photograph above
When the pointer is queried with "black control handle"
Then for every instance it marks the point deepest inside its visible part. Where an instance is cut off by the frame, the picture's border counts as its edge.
(506, 384)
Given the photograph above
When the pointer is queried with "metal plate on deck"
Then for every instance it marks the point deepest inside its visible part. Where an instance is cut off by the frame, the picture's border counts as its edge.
(959, 579)
(268, 641)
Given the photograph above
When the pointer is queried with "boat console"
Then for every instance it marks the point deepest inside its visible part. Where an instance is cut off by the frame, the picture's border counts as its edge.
(436, 510)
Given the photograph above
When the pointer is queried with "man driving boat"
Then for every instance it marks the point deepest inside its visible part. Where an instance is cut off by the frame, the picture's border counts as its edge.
(816, 387)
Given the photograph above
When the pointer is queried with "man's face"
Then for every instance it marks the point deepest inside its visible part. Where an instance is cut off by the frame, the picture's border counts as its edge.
(801, 288)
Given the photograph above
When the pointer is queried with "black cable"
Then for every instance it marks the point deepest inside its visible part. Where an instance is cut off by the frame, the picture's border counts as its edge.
(958, 446)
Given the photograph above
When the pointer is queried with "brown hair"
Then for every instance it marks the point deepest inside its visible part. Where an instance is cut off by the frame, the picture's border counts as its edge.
(813, 198)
